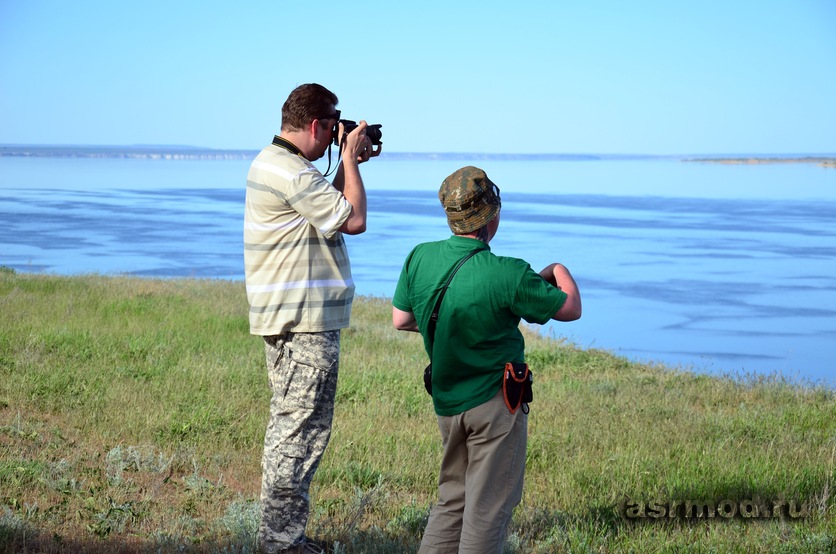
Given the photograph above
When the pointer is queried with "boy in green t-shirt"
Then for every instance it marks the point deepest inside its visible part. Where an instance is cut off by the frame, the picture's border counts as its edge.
(476, 334)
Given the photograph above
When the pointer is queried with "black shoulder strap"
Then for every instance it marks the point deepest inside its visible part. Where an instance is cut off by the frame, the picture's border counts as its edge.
(434, 316)
(287, 145)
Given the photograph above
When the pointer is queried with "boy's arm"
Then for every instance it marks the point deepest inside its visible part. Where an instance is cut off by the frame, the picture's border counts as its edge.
(404, 321)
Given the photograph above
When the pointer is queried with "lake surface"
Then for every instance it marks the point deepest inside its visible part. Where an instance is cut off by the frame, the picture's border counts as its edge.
(704, 266)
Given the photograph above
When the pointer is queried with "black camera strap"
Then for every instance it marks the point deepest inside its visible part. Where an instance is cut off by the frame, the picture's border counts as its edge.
(287, 145)
(292, 148)
(434, 316)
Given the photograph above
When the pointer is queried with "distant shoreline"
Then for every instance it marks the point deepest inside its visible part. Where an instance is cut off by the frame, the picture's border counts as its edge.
(165, 152)
(133, 152)
(820, 160)
(174, 152)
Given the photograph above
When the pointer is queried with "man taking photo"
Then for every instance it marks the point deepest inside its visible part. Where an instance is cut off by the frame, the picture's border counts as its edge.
(300, 289)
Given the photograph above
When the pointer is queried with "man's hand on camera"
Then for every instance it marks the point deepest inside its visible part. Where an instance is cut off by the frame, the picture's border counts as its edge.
(357, 145)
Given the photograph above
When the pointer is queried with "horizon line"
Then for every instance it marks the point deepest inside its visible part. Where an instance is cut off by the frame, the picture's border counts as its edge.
(179, 151)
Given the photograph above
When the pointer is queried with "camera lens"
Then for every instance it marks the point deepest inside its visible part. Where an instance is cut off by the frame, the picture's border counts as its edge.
(374, 133)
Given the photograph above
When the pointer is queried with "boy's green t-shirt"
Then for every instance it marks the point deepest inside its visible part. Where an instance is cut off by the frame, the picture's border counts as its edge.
(478, 323)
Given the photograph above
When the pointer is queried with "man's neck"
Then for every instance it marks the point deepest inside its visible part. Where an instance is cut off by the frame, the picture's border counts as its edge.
(481, 235)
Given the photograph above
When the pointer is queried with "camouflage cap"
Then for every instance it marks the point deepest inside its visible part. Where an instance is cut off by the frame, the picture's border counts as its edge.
(470, 199)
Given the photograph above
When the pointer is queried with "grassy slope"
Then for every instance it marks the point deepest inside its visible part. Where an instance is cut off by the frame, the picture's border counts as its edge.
(132, 413)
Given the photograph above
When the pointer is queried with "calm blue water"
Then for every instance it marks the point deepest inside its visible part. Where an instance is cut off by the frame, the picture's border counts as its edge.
(717, 268)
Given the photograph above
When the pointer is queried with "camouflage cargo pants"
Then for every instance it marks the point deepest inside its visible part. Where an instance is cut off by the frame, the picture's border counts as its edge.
(302, 369)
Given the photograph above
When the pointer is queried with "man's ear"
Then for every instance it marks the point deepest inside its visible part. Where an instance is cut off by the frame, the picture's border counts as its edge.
(315, 128)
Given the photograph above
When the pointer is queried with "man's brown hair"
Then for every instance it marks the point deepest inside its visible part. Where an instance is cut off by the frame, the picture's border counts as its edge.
(306, 103)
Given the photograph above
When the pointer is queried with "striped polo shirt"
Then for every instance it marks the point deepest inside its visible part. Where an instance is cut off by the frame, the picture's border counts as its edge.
(295, 260)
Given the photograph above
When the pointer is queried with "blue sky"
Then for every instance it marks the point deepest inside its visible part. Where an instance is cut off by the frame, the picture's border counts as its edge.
(551, 76)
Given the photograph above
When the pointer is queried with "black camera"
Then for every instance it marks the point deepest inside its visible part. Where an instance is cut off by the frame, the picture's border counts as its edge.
(372, 131)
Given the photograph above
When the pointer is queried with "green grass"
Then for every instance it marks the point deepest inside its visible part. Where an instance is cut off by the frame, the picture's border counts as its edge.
(132, 414)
